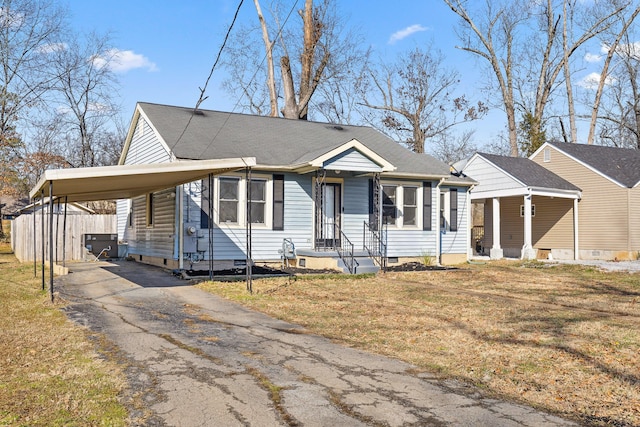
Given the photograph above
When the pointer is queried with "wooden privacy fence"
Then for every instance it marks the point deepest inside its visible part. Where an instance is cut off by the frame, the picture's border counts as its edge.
(22, 241)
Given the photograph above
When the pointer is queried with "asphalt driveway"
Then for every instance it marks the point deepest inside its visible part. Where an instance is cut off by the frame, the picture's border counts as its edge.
(194, 359)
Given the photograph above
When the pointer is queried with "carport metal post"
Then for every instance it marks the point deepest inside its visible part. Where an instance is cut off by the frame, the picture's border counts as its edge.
(210, 223)
(248, 262)
(64, 233)
(35, 241)
(57, 226)
(51, 239)
(42, 231)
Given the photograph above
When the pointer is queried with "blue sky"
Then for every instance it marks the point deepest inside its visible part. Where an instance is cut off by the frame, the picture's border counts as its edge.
(168, 47)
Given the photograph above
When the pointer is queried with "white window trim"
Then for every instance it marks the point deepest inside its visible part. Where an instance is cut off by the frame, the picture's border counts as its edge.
(445, 208)
(399, 223)
(242, 201)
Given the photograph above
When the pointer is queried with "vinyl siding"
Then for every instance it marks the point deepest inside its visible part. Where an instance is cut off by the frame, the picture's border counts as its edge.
(122, 209)
(355, 195)
(230, 242)
(352, 160)
(492, 178)
(604, 208)
(511, 225)
(158, 239)
(145, 146)
(552, 227)
(455, 242)
(634, 219)
(408, 242)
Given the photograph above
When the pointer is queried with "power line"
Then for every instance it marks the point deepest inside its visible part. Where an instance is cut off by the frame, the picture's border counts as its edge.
(265, 54)
(204, 88)
(213, 138)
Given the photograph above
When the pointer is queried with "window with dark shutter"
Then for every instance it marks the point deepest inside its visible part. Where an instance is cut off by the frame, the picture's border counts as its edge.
(278, 202)
(453, 203)
(426, 206)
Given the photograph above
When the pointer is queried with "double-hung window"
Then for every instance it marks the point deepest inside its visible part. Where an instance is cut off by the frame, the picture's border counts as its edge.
(389, 207)
(228, 204)
(410, 205)
(257, 201)
(239, 200)
(400, 205)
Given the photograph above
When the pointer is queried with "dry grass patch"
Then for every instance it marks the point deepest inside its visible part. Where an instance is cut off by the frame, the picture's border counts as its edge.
(50, 373)
(562, 338)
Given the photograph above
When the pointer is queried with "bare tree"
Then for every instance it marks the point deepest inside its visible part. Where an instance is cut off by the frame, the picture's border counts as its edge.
(503, 33)
(414, 99)
(28, 28)
(628, 61)
(619, 111)
(86, 87)
(453, 147)
(294, 64)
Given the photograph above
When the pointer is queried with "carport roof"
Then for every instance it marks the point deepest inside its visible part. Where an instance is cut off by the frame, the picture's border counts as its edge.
(127, 181)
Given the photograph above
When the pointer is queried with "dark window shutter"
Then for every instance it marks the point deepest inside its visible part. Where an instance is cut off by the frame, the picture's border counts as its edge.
(453, 203)
(426, 206)
(278, 202)
(372, 216)
(204, 204)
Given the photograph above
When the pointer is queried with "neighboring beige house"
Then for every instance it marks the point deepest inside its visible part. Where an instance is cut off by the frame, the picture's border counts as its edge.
(609, 177)
(528, 211)
(567, 201)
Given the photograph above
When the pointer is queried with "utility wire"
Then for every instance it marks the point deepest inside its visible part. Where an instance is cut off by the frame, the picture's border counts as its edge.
(213, 138)
(204, 88)
(265, 54)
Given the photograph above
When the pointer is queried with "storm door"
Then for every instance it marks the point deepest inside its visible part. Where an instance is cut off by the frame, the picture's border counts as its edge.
(330, 208)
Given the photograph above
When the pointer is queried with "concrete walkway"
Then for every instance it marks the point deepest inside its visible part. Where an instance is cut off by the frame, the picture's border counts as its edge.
(194, 359)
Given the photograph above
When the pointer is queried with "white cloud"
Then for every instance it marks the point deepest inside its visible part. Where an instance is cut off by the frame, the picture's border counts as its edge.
(52, 47)
(121, 61)
(591, 81)
(11, 19)
(406, 32)
(592, 57)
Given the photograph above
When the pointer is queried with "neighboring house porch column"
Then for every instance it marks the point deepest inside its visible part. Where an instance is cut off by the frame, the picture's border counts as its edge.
(527, 249)
(496, 250)
(576, 246)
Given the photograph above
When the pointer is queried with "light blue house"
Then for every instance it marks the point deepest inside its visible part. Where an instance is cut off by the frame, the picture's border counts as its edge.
(319, 195)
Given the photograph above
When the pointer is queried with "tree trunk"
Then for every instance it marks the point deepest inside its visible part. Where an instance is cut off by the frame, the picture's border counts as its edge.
(311, 35)
(567, 78)
(603, 75)
(271, 80)
(290, 110)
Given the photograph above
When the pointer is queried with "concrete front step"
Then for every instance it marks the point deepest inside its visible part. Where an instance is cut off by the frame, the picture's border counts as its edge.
(363, 265)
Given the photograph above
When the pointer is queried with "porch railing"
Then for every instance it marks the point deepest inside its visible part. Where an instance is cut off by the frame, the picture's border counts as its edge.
(375, 243)
(334, 239)
(346, 252)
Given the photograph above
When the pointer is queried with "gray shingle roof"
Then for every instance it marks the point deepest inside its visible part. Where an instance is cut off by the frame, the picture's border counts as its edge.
(529, 172)
(275, 141)
(619, 164)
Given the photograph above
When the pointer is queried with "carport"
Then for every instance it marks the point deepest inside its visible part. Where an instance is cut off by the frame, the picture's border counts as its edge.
(122, 182)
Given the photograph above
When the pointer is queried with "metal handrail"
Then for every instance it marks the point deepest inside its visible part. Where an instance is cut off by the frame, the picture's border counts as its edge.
(346, 252)
(374, 242)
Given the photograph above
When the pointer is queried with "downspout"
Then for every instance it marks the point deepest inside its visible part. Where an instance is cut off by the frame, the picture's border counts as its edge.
(439, 239)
